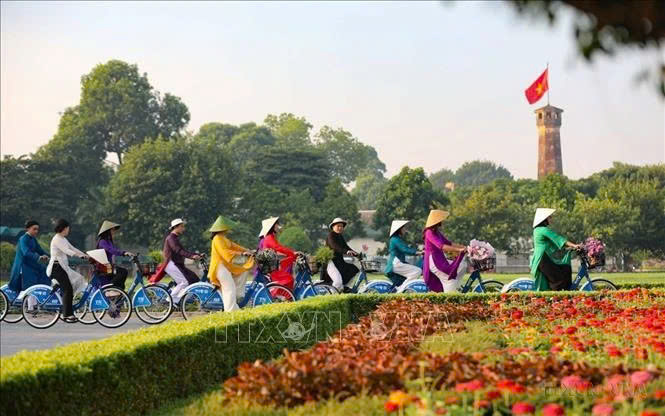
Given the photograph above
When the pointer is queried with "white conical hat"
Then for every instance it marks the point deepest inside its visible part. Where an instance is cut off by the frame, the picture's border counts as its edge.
(396, 225)
(98, 255)
(267, 224)
(107, 225)
(541, 215)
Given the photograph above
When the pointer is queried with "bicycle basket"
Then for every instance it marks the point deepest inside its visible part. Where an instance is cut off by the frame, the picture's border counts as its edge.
(597, 260)
(484, 264)
(371, 266)
(148, 269)
(267, 261)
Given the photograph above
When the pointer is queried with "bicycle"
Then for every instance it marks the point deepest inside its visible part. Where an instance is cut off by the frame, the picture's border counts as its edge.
(152, 303)
(109, 305)
(528, 283)
(304, 286)
(202, 298)
(4, 305)
(13, 301)
(483, 286)
(383, 286)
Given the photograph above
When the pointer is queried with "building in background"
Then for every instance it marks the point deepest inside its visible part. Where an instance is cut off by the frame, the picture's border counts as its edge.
(548, 120)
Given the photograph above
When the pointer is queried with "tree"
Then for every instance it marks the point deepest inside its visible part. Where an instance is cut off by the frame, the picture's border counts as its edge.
(338, 202)
(289, 129)
(480, 172)
(247, 140)
(164, 179)
(346, 155)
(492, 213)
(408, 195)
(441, 177)
(295, 237)
(119, 108)
(369, 187)
(290, 168)
(217, 133)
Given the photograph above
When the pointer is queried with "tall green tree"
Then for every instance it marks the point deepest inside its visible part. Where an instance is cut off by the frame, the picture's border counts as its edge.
(479, 172)
(119, 108)
(164, 179)
(338, 202)
(408, 195)
(370, 184)
(217, 133)
(289, 129)
(441, 177)
(346, 155)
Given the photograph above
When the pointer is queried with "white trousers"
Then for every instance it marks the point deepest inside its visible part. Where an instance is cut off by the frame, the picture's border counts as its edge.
(335, 276)
(233, 287)
(448, 285)
(409, 271)
(181, 281)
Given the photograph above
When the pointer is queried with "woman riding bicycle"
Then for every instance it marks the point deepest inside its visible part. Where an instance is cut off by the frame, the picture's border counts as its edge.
(338, 271)
(224, 273)
(397, 269)
(105, 241)
(28, 269)
(439, 274)
(550, 273)
(270, 228)
(58, 268)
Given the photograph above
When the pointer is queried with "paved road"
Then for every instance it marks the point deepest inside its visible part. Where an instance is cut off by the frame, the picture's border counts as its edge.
(21, 336)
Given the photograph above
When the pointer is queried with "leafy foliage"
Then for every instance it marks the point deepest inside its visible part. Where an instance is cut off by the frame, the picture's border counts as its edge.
(296, 238)
(7, 253)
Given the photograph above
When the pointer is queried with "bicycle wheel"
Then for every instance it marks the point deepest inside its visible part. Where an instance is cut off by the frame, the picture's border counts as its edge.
(378, 286)
(280, 293)
(4, 305)
(159, 308)
(417, 286)
(324, 289)
(14, 312)
(118, 308)
(492, 286)
(599, 284)
(40, 315)
(82, 313)
(192, 306)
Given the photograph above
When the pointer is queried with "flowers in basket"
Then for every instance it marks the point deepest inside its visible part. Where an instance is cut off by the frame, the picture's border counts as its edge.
(268, 261)
(482, 255)
(595, 250)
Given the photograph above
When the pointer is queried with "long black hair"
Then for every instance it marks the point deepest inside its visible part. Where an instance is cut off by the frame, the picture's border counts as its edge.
(543, 223)
(106, 235)
(60, 225)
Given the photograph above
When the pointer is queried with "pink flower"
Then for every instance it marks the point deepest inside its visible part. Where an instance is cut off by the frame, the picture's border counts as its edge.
(640, 378)
(553, 409)
(470, 386)
(602, 409)
(523, 408)
(575, 383)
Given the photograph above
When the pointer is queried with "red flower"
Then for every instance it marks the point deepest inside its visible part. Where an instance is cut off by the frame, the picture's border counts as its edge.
(493, 394)
(659, 394)
(390, 406)
(555, 349)
(640, 378)
(517, 314)
(649, 413)
(470, 386)
(505, 384)
(575, 383)
(481, 404)
(571, 330)
(517, 389)
(602, 409)
(523, 408)
(553, 409)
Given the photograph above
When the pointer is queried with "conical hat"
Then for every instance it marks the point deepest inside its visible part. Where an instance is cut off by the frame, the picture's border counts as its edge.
(107, 225)
(98, 255)
(396, 225)
(337, 221)
(541, 215)
(435, 217)
(221, 224)
(267, 224)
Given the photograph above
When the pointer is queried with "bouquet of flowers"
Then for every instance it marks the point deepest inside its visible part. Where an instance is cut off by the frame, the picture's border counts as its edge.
(267, 260)
(482, 255)
(595, 250)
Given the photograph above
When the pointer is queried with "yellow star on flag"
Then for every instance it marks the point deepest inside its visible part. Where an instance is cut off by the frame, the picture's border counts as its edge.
(539, 88)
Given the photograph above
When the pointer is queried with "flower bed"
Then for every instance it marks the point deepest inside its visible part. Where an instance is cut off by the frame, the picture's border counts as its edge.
(599, 354)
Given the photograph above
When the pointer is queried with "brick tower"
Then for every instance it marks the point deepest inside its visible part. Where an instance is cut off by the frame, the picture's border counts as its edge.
(548, 120)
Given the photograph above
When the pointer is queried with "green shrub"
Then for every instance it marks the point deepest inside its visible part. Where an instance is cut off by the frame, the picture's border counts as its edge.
(137, 371)
(7, 253)
(156, 256)
(296, 238)
(323, 255)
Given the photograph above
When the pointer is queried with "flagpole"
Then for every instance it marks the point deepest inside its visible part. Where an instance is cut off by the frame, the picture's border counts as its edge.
(548, 83)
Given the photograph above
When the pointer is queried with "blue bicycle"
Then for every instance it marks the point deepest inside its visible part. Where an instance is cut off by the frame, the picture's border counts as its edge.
(384, 286)
(110, 306)
(152, 303)
(304, 287)
(202, 298)
(582, 282)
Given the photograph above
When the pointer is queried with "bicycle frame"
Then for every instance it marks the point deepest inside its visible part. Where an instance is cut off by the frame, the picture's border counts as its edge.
(139, 299)
(49, 298)
(475, 275)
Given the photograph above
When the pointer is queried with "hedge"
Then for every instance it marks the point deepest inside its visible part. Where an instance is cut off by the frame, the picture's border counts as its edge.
(138, 371)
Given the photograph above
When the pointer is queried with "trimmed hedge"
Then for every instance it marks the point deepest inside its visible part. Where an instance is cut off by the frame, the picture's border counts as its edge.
(138, 371)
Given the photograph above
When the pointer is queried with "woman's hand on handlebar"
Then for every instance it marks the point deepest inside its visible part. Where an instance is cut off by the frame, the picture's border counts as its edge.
(352, 253)
(129, 254)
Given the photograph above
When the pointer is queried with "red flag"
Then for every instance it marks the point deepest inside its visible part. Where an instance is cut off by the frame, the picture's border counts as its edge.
(536, 91)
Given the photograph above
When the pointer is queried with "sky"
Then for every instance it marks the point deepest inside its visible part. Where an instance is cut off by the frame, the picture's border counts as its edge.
(427, 84)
